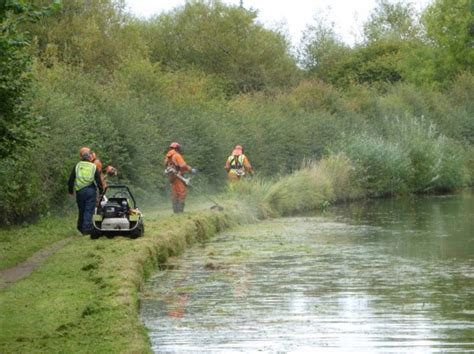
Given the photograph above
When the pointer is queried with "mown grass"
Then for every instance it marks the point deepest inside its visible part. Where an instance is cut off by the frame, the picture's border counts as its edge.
(84, 298)
(20, 242)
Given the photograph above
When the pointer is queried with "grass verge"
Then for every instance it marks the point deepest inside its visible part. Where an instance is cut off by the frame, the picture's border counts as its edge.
(19, 243)
(84, 298)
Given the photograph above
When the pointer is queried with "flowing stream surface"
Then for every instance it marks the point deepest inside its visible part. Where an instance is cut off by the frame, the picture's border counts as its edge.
(385, 276)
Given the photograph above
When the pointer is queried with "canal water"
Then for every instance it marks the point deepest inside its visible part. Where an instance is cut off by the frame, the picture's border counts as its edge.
(386, 276)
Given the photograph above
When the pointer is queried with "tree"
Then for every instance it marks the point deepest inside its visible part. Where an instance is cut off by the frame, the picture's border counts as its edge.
(449, 26)
(373, 64)
(15, 121)
(96, 35)
(321, 50)
(223, 40)
(391, 21)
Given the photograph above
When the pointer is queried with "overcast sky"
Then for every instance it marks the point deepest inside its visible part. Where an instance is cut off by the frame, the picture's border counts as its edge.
(347, 15)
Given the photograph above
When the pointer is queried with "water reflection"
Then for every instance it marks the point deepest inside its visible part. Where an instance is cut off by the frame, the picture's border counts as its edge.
(387, 276)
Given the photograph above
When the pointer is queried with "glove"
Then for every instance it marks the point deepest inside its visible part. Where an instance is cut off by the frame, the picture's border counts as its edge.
(194, 171)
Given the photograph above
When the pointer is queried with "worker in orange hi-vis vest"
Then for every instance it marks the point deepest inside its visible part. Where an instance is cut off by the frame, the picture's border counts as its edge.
(175, 167)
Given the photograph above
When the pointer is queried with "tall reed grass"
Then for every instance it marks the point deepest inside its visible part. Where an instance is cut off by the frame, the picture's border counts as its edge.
(315, 186)
(370, 167)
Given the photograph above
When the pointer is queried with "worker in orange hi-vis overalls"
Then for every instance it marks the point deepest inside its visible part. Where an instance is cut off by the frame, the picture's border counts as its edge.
(237, 164)
(175, 167)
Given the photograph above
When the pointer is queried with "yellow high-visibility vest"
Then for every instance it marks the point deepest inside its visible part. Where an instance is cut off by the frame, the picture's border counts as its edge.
(85, 173)
(236, 162)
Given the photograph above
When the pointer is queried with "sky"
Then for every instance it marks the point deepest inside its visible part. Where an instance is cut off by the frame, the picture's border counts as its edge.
(347, 15)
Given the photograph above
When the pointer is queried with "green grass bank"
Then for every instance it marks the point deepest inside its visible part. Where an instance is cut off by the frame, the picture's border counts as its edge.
(85, 297)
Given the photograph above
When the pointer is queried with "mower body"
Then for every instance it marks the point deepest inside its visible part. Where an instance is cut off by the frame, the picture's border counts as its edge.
(117, 213)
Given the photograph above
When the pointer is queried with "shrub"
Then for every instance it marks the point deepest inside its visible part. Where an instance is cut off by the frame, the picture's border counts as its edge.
(381, 167)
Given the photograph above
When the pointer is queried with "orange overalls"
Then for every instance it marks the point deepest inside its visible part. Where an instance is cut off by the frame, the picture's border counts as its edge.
(178, 187)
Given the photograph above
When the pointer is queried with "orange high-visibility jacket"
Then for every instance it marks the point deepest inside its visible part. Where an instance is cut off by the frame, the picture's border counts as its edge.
(175, 159)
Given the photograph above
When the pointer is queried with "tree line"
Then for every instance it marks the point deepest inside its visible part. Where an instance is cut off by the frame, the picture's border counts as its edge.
(398, 104)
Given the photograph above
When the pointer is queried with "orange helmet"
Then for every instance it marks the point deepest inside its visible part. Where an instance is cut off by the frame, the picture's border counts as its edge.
(111, 170)
(175, 145)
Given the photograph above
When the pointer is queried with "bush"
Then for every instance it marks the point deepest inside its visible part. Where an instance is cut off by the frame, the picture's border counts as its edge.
(22, 187)
(381, 167)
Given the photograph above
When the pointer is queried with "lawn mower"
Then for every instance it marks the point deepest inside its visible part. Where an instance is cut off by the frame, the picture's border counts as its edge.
(116, 213)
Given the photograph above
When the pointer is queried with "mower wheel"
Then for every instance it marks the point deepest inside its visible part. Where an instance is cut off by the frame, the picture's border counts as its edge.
(138, 231)
(95, 234)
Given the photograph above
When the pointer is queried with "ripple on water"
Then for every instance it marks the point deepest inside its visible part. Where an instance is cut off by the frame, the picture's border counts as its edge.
(331, 284)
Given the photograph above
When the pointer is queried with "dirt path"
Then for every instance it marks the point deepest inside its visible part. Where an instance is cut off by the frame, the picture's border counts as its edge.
(10, 275)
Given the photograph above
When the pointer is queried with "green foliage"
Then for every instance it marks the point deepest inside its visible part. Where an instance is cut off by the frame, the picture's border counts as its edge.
(95, 35)
(406, 154)
(303, 190)
(449, 25)
(376, 63)
(20, 186)
(314, 96)
(451, 112)
(108, 119)
(391, 21)
(381, 168)
(15, 61)
(399, 45)
(96, 85)
(321, 51)
(461, 96)
(223, 40)
(313, 187)
(437, 162)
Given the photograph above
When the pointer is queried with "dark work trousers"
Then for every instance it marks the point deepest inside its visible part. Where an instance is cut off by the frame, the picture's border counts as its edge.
(86, 198)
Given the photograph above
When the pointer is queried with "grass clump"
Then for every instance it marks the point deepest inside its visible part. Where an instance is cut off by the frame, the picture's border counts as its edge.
(313, 187)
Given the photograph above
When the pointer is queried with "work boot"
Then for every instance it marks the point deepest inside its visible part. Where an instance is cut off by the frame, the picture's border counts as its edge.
(181, 206)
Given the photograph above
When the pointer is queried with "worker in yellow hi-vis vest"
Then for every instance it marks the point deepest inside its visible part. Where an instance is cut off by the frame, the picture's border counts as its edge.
(237, 164)
(84, 181)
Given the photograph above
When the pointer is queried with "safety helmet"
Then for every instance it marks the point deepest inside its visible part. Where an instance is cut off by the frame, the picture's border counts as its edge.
(175, 145)
(111, 170)
(84, 150)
